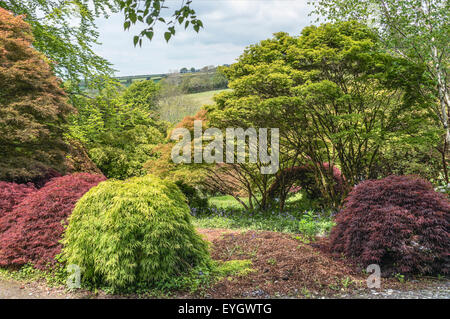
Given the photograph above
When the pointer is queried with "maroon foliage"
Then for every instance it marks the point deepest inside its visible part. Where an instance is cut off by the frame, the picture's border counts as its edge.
(41, 179)
(11, 194)
(398, 222)
(32, 230)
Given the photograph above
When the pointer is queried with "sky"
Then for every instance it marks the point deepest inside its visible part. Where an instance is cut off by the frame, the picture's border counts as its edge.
(229, 27)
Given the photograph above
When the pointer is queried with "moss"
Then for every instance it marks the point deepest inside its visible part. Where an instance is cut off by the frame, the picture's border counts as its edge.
(239, 268)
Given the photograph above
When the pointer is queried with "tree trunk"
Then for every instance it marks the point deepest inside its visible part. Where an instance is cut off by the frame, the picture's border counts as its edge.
(444, 105)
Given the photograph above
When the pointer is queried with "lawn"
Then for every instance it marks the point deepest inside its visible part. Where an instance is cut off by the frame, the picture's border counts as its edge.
(174, 108)
(297, 218)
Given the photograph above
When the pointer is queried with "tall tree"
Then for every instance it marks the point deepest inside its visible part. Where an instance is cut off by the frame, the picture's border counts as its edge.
(417, 30)
(33, 107)
(336, 96)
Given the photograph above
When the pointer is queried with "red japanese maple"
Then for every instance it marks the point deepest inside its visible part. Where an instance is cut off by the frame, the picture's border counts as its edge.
(33, 229)
(399, 222)
(11, 194)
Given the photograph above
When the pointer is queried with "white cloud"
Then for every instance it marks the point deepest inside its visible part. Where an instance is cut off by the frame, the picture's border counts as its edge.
(230, 26)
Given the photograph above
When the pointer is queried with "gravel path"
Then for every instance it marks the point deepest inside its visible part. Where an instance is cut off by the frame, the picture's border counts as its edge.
(439, 290)
(14, 290)
(10, 289)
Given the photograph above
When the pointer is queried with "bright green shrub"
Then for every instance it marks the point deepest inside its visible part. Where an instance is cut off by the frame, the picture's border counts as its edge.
(133, 233)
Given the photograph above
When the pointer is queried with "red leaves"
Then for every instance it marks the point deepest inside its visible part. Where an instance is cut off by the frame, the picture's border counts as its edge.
(11, 194)
(399, 222)
(31, 231)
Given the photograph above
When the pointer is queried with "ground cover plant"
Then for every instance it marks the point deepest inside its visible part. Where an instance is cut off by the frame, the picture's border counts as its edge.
(140, 229)
(31, 231)
(399, 222)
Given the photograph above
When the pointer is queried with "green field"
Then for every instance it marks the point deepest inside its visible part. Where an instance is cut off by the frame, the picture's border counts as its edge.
(173, 109)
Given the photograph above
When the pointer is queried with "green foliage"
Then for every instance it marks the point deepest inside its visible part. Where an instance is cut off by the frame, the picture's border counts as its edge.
(193, 195)
(151, 12)
(140, 229)
(118, 130)
(417, 31)
(204, 81)
(68, 47)
(308, 224)
(65, 31)
(54, 277)
(336, 96)
(143, 95)
(238, 268)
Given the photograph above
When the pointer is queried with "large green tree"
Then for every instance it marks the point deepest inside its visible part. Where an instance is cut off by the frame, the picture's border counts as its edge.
(33, 107)
(336, 96)
(416, 30)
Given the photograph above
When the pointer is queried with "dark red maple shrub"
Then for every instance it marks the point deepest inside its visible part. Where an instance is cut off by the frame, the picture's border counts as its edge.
(399, 222)
(11, 194)
(32, 230)
(41, 179)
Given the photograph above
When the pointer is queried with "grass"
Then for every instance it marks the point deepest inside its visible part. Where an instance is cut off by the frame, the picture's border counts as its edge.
(174, 108)
(204, 98)
(298, 218)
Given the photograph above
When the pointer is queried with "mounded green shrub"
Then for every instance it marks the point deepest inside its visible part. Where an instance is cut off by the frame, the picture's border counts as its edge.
(133, 233)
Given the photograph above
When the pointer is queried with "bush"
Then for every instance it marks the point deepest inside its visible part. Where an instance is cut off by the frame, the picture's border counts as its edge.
(140, 229)
(398, 222)
(32, 230)
(11, 194)
(195, 200)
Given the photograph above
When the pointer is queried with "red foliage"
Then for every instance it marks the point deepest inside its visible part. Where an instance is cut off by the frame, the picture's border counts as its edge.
(398, 222)
(11, 194)
(43, 178)
(32, 230)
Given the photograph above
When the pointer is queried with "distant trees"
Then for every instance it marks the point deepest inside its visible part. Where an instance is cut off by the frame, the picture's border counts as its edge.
(201, 82)
(33, 107)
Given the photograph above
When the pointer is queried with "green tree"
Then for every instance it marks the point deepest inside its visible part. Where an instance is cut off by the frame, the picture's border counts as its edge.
(336, 96)
(33, 107)
(142, 94)
(417, 30)
(119, 136)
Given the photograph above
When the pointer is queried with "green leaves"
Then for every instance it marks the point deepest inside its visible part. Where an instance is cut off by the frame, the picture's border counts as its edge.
(141, 231)
(149, 12)
(120, 129)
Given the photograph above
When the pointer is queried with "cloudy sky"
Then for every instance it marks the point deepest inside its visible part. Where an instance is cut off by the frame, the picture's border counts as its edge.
(229, 26)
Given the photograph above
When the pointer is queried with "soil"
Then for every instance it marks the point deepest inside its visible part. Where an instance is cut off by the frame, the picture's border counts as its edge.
(285, 266)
